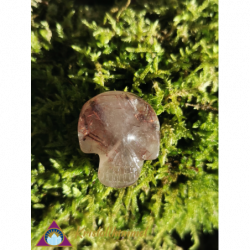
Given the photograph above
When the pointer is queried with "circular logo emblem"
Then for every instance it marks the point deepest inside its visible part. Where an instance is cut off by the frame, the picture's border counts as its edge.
(53, 236)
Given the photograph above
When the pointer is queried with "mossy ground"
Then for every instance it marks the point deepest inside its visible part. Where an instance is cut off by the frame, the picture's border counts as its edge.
(165, 51)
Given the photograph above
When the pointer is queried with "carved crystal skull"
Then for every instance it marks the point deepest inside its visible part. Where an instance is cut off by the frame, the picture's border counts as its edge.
(123, 130)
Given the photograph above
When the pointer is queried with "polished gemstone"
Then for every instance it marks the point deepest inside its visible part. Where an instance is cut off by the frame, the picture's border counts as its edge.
(123, 130)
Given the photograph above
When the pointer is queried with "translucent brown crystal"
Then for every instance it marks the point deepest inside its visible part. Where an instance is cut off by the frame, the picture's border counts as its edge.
(123, 130)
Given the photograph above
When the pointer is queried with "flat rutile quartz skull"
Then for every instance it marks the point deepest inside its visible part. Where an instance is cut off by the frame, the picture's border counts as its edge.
(123, 130)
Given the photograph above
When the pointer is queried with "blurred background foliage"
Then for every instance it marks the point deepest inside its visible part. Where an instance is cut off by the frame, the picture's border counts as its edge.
(166, 52)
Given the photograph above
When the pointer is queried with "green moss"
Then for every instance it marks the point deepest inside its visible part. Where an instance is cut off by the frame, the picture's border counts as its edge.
(166, 52)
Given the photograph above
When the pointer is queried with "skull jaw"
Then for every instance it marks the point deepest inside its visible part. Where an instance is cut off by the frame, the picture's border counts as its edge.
(116, 185)
(114, 176)
(120, 185)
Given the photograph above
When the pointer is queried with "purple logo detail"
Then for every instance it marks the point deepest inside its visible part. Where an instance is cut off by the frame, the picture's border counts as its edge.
(54, 236)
